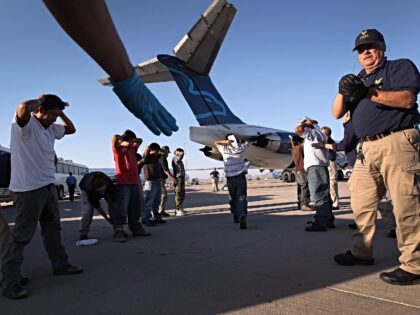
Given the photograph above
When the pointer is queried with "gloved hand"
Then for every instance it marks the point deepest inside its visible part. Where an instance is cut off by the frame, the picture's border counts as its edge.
(352, 85)
(318, 145)
(144, 105)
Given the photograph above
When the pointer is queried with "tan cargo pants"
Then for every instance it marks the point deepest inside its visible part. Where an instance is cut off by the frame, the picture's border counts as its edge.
(390, 163)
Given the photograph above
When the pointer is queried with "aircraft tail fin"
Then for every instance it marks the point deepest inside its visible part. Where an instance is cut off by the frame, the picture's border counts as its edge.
(201, 95)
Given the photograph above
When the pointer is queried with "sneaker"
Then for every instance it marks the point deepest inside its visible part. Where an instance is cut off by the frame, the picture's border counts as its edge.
(68, 270)
(159, 221)
(391, 234)
(347, 259)
(306, 208)
(179, 213)
(315, 227)
(15, 292)
(353, 226)
(242, 223)
(141, 232)
(335, 208)
(120, 235)
(165, 214)
(83, 237)
(400, 277)
(148, 222)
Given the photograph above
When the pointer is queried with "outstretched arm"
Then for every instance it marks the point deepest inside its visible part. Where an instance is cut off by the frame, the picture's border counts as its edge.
(90, 25)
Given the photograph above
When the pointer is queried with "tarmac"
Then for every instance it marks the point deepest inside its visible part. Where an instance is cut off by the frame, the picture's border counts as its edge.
(204, 264)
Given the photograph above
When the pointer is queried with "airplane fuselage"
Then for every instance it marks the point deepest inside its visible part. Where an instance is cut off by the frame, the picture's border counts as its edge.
(271, 148)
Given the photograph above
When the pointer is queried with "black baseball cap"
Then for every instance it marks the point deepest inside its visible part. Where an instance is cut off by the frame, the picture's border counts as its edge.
(369, 36)
(52, 101)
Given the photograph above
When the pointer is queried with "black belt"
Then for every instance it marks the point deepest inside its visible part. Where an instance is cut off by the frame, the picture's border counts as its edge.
(385, 134)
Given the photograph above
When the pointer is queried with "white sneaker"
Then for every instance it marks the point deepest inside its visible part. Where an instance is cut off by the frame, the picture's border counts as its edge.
(179, 213)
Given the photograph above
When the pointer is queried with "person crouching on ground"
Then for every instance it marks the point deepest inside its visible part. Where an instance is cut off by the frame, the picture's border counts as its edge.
(233, 152)
(95, 186)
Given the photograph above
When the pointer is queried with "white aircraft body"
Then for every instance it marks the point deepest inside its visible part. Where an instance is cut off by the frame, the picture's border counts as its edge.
(190, 67)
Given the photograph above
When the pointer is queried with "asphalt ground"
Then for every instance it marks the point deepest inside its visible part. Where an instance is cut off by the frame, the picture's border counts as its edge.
(204, 264)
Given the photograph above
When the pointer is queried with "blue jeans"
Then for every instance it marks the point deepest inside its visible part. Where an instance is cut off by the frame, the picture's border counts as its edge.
(237, 187)
(152, 195)
(319, 187)
(128, 205)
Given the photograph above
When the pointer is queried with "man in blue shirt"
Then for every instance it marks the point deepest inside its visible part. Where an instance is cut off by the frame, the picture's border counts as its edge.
(71, 182)
(382, 101)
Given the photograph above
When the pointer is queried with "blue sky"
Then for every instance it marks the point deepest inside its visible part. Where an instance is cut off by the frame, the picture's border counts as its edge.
(281, 60)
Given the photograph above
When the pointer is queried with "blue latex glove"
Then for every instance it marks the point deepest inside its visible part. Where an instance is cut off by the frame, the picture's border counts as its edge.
(138, 99)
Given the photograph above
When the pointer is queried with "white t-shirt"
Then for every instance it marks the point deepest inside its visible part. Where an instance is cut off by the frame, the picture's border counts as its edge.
(32, 154)
(234, 158)
(313, 156)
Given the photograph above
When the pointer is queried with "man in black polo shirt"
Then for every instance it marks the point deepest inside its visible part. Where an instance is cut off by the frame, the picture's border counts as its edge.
(152, 185)
(382, 101)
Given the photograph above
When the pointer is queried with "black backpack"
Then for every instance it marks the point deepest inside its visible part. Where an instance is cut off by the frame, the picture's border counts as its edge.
(5, 169)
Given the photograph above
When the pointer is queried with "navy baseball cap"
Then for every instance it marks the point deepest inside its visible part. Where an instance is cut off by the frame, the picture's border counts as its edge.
(369, 36)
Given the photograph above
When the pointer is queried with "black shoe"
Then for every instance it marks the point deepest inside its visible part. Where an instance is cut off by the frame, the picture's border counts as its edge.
(400, 277)
(347, 259)
(15, 292)
(141, 232)
(331, 225)
(315, 227)
(335, 208)
(242, 223)
(159, 221)
(353, 226)
(149, 222)
(24, 281)
(391, 234)
(235, 219)
(165, 214)
(69, 270)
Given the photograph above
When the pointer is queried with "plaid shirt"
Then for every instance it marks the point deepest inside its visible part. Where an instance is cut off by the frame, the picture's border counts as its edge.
(178, 167)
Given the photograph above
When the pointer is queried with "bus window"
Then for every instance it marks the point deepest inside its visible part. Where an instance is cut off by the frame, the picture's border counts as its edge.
(65, 168)
(60, 167)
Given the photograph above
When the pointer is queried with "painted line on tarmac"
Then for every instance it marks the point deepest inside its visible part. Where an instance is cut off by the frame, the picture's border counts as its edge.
(374, 297)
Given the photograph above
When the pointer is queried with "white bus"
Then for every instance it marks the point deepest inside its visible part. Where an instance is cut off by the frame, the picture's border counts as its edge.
(62, 170)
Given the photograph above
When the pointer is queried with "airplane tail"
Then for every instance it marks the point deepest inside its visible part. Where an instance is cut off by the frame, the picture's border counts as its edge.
(204, 100)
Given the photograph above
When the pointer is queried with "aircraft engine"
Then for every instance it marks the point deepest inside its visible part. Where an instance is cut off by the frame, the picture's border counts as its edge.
(212, 153)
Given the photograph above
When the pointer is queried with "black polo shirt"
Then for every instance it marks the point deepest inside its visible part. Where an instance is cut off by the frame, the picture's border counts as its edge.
(151, 167)
(370, 118)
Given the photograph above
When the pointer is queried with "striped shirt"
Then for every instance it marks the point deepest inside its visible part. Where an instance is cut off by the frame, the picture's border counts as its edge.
(234, 158)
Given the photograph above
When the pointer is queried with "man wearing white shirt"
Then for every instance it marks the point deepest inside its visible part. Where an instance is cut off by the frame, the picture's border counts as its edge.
(33, 134)
(316, 166)
(233, 152)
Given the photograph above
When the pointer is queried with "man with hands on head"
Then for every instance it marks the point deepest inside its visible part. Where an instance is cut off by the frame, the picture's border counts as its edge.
(33, 134)
(124, 148)
(233, 152)
(382, 101)
(316, 166)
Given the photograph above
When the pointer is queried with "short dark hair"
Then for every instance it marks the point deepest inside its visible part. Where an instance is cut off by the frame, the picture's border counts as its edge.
(179, 150)
(128, 135)
(70, 173)
(154, 146)
(328, 130)
(52, 101)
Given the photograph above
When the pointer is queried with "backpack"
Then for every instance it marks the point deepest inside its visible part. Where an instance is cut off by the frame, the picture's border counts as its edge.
(5, 169)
